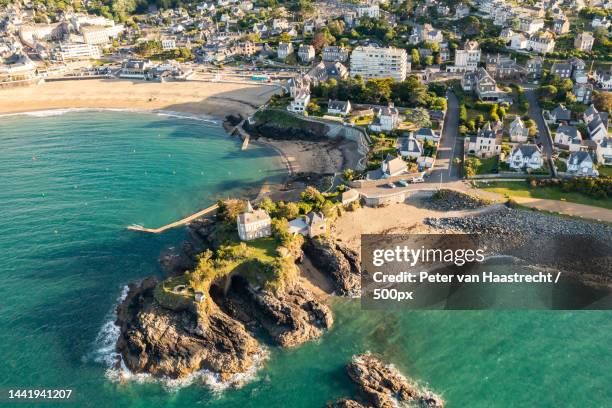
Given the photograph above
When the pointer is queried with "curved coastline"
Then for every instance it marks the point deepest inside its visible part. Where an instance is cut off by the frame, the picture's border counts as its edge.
(266, 187)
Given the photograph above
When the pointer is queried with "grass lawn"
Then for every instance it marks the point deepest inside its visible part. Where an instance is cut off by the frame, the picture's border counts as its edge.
(263, 249)
(363, 120)
(487, 165)
(522, 189)
(605, 171)
(175, 301)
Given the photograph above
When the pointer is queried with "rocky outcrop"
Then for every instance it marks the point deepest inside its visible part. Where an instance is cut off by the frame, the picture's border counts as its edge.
(347, 403)
(278, 124)
(336, 260)
(290, 316)
(176, 261)
(451, 200)
(173, 344)
(383, 386)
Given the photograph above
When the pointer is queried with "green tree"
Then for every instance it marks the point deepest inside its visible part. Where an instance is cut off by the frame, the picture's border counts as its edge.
(463, 114)
(336, 28)
(416, 58)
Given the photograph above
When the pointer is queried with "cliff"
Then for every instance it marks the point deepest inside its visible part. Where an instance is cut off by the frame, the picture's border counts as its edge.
(279, 124)
(340, 263)
(174, 344)
(290, 316)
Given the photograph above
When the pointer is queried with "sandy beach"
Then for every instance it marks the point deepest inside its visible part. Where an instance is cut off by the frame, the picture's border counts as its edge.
(211, 99)
(194, 97)
(401, 218)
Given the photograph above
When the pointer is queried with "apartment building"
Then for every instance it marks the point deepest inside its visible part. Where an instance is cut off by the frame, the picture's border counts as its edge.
(76, 51)
(371, 62)
(97, 35)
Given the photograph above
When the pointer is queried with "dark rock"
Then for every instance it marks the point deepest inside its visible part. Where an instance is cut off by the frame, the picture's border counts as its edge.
(347, 403)
(451, 200)
(290, 316)
(339, 262)
(173, 344)
(233, 120)
(268, 125)
(385, 387)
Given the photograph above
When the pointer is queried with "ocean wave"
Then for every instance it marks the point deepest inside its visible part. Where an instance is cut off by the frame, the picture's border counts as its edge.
(62, 111)
(108, 335)
(121, 374)
(182, 115)
(116, 371)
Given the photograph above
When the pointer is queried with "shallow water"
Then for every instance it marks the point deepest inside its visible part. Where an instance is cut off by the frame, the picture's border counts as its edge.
(72, 183)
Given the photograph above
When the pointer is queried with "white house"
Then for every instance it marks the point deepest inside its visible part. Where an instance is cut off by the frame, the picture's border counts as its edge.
(530, 25)
(486, 143)
(583, 93)
(311, 225)
(462, 10)
(603, 80)
(427, 134)
(604, 152)
(542, 42)
(525, 156)
(370, 11)
(409, 147)
(581, 164)
(280, 24)
(284, 50)
(584, 41)
(253, 224)
(341, 108)
(306, 53)
(334, 53)
(467, 59)
(597, 124)
(386, 120)
(519, 42)
(392, 166)
(168, 43)
(568, 137)
(300, 102)
(518, 131)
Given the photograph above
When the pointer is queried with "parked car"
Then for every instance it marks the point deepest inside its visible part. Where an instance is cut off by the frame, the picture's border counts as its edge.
(403, 183)
(419, 179)
(391, 185)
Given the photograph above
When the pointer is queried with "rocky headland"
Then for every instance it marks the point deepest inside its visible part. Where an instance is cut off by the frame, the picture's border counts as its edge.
(175, 343)
(166, 332)
(383, 386)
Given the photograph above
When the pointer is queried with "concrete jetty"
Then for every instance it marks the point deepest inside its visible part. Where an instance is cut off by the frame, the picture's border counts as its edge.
(181, 222)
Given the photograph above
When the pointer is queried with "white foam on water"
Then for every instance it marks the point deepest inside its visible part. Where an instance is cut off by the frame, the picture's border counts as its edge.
(62, 111)
(108, 335)
(182, 115)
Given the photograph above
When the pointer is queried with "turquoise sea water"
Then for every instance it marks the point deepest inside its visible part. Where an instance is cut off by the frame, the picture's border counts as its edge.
(72, 183)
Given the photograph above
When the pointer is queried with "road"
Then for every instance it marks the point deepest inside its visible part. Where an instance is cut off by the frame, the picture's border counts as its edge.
(535, 113)
(451, 146)
(445, 174)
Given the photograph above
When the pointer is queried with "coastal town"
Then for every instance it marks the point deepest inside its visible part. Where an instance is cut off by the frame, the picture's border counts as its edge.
(529, 83)
(408, 116)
